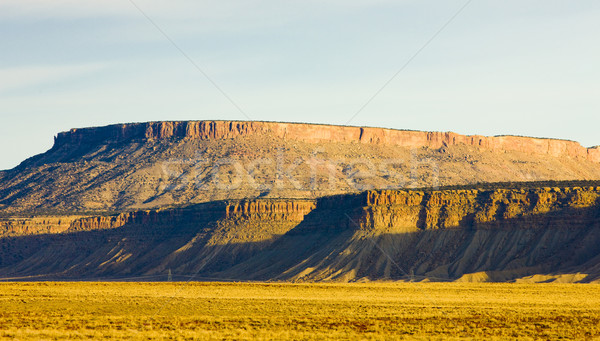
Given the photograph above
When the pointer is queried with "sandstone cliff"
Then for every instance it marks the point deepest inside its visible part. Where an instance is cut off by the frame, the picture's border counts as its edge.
(498, 234)
(35, 225)
(412, 210)
(313, 133)
(207, 237)
(447, 234)
(207, 198)
(234, 210)
(164, 164)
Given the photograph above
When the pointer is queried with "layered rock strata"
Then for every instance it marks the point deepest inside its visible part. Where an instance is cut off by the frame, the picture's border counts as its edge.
(473, 209)
(390, 210)
(401, 211)
(314, 133)
(259, 210)
(507, 233)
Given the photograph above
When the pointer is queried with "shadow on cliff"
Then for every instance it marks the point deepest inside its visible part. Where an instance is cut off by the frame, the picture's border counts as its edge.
(326, 246)
(128, 252)
(193, 242)
(331, 247)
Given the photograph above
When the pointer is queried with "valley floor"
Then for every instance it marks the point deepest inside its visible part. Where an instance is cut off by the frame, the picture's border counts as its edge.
(371, 311)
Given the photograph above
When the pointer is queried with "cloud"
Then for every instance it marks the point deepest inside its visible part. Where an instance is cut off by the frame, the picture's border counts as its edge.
(121, 20)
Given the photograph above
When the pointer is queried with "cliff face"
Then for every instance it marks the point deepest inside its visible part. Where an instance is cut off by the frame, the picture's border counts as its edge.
(16, 226)
(475, 234)
(594, 154)
(206, 237)
(391, 211)
(414, 210)
(180, 189)
(163, 164)
(287, 210)
(407, 211)
(259, 210)
(504, 233)
(320, 133)
(35, 225)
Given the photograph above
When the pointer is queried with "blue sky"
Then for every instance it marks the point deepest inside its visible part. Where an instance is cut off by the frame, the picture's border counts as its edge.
(500, 67)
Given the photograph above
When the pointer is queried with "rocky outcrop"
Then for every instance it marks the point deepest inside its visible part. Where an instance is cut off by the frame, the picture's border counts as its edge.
(473, 209)
(594, 154)
(208, 237)
(287, 210)
(35, 225)
(385, 210)
(252, 210)
(443, 234)
(314, 133)
(406, 211)
(16, 226)
(164, 164)
(440, 235)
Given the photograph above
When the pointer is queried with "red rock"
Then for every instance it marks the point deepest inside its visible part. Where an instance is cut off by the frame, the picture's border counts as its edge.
(314, 133)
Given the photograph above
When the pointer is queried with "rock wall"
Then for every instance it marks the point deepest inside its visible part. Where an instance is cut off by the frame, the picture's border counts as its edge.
(287, 210)
(259, 209)
(61, 224)
(401, 211)
(386, 234)
(594, 154)
(420, 210)
(314, 133)
(148, 217)
(35, 225)
(385, 210)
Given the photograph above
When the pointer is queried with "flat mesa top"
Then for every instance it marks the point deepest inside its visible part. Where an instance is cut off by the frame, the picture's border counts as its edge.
(321, 133)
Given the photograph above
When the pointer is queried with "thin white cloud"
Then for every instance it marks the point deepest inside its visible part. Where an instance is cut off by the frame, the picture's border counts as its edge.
(184, 17)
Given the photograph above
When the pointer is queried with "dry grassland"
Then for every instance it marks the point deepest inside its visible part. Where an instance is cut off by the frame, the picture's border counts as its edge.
(371, 311)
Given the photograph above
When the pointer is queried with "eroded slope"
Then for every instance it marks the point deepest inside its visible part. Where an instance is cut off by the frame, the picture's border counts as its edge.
(164, 164)
(497, 234)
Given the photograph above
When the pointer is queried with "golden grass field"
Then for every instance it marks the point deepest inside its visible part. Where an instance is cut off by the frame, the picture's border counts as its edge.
(371, 311)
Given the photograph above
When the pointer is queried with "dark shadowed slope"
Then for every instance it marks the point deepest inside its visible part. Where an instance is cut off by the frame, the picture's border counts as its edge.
(467, 234)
